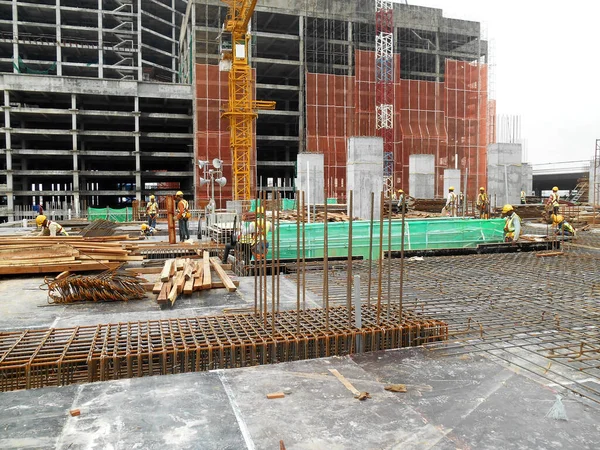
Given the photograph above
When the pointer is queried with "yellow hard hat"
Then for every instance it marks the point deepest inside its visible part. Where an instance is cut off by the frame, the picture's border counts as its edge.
(400, 191)
(451, 188)
(179, 194)
(555, 188)
(482, 188)
(144, 226)
(39, 220)
(507, 209)
(152, 197)
(557, 218)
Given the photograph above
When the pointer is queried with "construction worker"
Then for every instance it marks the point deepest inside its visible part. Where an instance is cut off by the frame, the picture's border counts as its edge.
(523, 197)
(483, 204)
(152, 211)
(512, 227)
(49, 227)
(562, 227)
(183, 215)
(552, 201)
(401, 201)
(263, 227)
(451, 203)
(147, 230)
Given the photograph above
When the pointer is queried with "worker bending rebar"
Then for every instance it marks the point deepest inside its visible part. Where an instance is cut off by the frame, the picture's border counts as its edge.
(561, 226)
(49, 227)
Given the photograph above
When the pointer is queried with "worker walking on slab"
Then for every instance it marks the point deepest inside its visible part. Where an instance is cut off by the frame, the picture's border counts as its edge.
(523, 197)
(562, 227)
(49, 227)
(552, 202)
(483, 204)
(512, 227)
(451, 203)
(401, 201)
(183, 215)
(152, 211)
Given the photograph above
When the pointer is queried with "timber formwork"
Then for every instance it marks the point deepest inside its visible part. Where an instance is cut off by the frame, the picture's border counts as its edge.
(57, 357)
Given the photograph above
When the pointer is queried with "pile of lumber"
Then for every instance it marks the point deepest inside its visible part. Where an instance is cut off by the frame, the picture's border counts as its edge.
(27, 255)
(187, 275)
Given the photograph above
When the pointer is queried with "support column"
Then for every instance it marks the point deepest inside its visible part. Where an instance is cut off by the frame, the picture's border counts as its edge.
(139, 35)
(302, 70)
(364, 173)
(138, 161)
(174, 43)
(58, 41)
(15, 20)
(350, 51)
(9, 176)
(74, 134)
(437, 57)
(100, 42)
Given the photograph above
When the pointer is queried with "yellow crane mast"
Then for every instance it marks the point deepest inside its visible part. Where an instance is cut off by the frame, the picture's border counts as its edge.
(241, 109)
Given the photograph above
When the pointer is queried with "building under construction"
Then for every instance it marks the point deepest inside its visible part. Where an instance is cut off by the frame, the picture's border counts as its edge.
(330, 66)
(91, 112)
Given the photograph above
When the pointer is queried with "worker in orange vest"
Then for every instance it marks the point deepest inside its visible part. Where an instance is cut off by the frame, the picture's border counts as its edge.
(183, 215)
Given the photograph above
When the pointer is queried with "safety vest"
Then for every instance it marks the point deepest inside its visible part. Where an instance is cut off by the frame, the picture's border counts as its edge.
(554, 197)
(482, 199)
(509, 227)
(57, 228)
(451, 199)
(566, 226)
(185, 214)
(523, 195)
(152, 208)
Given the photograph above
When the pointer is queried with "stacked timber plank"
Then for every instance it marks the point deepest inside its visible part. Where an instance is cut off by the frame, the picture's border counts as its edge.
(29, 255)
(187, 275)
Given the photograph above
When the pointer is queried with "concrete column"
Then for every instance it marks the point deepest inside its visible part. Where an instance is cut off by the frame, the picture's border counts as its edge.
(421, 176)
(437, 55)
(100, 42)
(302, 70)
(15, 26)
(173, 44)
(350, 51)
(58, 41)
(76, 195)
(139, 36)
(138, 161)
(311, 176)
(364, 173)
(9, 176)
(452, 178)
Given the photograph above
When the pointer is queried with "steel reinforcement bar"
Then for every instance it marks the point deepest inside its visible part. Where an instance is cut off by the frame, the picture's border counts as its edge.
(56, 357)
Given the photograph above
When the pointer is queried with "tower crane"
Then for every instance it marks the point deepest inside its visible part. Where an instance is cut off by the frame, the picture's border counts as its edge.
(242, 107)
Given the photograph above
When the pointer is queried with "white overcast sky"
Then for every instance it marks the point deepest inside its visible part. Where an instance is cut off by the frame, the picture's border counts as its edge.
(547, 65)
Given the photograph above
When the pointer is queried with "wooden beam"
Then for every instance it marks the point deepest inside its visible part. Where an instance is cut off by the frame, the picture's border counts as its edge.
(223, 276)
(74, 266)
(206, 282)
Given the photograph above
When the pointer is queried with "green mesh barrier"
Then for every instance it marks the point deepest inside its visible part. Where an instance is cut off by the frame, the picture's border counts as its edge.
(332, 201)
(420, 234)
(288, 204)
(24, 68)
(114, 215)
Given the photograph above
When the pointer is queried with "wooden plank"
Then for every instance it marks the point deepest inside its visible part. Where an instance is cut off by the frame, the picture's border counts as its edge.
(157, 287)
(274, 395)
(174, 292)
(168, 270)
(144, 270)
(180, 262)
(221, 285)
(74, 266)
(206, 282)
(188, 287)
(223, 276)
(164, 293)
(148, 287)
(344, 381)
(188, 269)
(198, 278)
(37, 261)
(96, 256)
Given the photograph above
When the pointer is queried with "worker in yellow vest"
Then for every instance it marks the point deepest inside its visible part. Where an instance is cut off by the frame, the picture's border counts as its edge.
(451, 203)
(561, 226)
(152, 211)
(183, 215)
(49, 227)
(483, 204)
(512, 226)
(523, 197)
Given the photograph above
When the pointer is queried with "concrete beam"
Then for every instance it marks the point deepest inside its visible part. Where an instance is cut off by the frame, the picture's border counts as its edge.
(276, 163)
(280, 87)
(276, 112)
(277, 138)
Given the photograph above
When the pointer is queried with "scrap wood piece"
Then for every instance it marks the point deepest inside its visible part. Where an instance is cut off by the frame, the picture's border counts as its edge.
(188, 286)
(198, 278)
(206, 282)
(176, 288)
(223, 276)
(542, 254)
(274, 395)
(345, 382)
(396, 388)
(75, 412)
(72, 266)
(164, 293)
(362, 396)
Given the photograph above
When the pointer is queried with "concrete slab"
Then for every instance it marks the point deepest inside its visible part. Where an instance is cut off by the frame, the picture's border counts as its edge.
(452, 402)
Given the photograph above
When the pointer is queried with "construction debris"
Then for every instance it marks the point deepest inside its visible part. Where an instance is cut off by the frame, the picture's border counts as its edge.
(109, 286)
(75, 412)
(274, 395)
(100, 227)
(396, 388)
(362, 396)
(187, 276)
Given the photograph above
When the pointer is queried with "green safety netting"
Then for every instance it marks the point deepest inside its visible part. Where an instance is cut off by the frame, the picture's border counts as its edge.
(332, 201)
(114, 215)
(419, 234)
(24, 68)
(288, 204)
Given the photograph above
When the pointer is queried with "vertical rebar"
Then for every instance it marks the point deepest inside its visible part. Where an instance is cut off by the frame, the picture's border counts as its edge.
(370, 248)
(402, 257)
(349, 268)
(325, 264)
(380, 254)
(298, 262)
(248, 258)
(278, 240)
(303, 253)
(389, 261)
(263, 236)
(273, 212)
